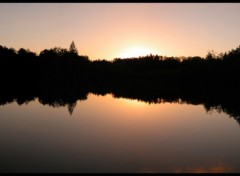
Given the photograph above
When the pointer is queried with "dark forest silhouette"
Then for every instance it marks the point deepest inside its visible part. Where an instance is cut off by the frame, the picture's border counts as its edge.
(60, 77)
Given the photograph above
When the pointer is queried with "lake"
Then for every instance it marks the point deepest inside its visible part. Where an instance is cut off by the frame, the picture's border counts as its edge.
(107, 134)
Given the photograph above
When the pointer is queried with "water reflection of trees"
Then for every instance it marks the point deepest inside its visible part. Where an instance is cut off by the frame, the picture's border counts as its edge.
(213, 99)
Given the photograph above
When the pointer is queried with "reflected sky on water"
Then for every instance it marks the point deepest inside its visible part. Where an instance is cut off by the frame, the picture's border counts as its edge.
(106, 134)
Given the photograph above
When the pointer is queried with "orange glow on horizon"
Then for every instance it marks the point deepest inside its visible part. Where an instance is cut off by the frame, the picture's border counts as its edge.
(131, 102)
(136, 52)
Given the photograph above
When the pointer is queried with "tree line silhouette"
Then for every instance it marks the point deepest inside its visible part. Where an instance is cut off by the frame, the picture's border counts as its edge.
(60, 77)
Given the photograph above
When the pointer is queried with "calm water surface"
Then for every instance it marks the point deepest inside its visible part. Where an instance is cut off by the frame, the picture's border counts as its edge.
(105, 134)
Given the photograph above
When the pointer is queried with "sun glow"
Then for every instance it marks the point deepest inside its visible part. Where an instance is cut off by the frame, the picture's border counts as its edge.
(136, 52)
(131, 102)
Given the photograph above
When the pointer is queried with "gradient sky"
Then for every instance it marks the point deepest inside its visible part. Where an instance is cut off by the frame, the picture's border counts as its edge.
(110, 30)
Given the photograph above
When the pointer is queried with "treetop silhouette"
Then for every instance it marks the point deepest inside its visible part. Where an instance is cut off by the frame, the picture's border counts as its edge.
(73, 48)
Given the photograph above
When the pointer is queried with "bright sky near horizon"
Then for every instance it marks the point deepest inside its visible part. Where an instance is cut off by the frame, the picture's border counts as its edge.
(110, 30)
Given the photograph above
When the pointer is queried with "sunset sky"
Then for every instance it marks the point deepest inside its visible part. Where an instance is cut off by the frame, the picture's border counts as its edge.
(110, 30)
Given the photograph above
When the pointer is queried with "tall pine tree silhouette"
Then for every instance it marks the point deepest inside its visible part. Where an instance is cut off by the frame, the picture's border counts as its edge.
(73, 48)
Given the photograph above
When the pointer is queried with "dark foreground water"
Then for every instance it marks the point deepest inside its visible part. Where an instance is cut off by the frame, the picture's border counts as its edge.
(105, 134)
